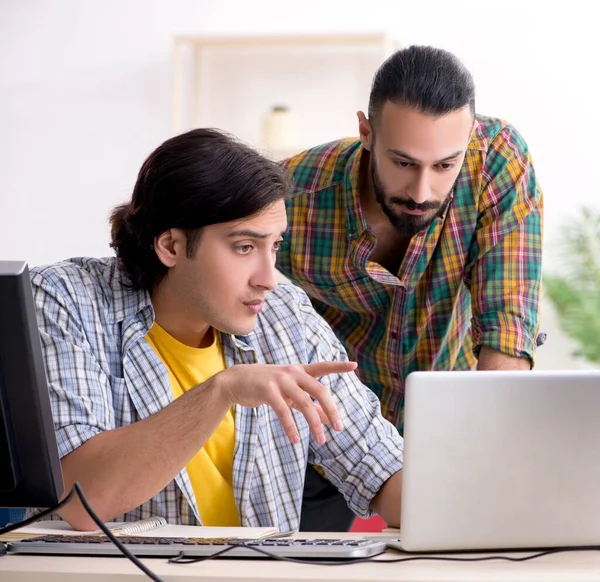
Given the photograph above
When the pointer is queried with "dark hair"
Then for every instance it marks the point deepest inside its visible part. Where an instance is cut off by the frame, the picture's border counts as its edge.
(431, 80)
(193, 180)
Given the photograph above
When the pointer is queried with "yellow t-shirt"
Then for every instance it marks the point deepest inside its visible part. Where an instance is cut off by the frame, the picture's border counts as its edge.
(211, 469)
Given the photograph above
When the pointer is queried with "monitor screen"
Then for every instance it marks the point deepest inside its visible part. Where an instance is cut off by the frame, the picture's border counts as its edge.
(30, 473)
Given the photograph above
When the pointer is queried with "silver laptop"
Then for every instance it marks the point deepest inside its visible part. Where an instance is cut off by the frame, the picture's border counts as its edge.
(501, 460)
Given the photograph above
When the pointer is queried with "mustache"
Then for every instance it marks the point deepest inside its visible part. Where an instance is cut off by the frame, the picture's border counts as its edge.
(410, 204)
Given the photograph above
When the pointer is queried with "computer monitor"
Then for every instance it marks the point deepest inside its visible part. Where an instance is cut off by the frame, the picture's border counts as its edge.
(30, 472)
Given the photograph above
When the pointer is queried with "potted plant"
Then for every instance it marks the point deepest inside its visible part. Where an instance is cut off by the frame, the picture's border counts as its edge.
(574, 289)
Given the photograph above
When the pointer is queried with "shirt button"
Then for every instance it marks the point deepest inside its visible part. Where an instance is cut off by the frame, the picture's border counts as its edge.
(395, 375)
(394, 335)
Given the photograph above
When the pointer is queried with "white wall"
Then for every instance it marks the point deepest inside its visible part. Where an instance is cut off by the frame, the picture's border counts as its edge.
(85, 95)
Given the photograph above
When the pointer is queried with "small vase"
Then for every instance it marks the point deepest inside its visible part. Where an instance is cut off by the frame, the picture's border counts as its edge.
(279, 129)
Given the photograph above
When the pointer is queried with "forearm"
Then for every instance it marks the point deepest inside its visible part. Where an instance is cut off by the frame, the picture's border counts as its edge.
(122, 468)
(388, 500)
(490, 359)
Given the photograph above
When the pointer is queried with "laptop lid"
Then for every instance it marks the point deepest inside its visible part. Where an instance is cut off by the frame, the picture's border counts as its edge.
(500, 460)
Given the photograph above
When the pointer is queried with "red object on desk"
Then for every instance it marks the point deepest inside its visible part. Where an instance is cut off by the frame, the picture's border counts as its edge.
(374, 524)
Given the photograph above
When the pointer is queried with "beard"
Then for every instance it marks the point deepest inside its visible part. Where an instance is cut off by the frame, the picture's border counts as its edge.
(407, 225)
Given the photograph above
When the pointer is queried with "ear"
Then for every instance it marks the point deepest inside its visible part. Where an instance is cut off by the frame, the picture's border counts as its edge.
(364, 130)
(169, 246)
(473, 127)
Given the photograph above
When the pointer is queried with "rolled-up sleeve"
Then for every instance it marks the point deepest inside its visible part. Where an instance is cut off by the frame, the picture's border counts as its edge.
(505, 272)
(79, 389)
(359, 459)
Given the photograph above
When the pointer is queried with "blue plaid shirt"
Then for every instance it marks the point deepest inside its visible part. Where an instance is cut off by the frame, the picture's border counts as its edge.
(102, 374)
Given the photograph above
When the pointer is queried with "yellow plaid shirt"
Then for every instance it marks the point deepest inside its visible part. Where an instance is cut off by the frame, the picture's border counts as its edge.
(471, 279)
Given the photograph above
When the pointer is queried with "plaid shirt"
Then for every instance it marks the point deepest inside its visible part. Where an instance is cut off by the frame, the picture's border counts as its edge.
(471, 279)
(102, 374)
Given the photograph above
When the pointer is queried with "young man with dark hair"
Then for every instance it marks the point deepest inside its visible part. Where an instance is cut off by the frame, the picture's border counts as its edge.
(420, 242)
(184, 382)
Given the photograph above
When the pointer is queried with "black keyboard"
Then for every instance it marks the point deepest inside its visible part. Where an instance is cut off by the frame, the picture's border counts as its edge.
(100, 545)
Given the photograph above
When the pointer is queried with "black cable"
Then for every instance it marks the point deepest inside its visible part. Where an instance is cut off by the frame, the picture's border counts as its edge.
(534, 556)
(77, 490)
(38, 516)
(115, 540)
(183, 559)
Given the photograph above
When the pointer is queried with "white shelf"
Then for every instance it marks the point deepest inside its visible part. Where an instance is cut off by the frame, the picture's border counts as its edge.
(231, 82)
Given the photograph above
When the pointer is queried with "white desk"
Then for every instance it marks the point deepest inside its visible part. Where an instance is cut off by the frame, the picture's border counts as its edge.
(566, 567)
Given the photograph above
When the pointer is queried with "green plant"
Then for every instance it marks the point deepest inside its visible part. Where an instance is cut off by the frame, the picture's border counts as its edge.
(574, 289)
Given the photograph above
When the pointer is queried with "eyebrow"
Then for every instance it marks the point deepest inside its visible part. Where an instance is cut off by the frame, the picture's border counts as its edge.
(407, 157)
(252, 234)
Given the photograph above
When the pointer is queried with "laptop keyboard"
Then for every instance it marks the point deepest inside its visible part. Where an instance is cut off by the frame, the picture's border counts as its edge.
(200, 547)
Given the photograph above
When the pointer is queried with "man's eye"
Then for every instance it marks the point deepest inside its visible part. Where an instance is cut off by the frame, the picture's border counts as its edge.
(445, 166)
(402, 164)
(244, 249)
(277, 244)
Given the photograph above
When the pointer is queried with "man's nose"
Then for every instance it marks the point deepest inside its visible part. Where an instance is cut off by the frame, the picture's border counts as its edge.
(266, 276)
(421, 189)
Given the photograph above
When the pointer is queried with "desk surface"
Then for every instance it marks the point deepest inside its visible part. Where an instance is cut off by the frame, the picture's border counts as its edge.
(570, 566)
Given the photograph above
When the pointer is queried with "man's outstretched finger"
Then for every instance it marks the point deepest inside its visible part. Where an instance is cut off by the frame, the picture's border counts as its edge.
(304, 404)
(286, 419)
(320, 393)
(322, 415)
(320, 411)
(319, 369)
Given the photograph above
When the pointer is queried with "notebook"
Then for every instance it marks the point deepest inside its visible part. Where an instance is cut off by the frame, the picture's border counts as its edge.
(151, 527)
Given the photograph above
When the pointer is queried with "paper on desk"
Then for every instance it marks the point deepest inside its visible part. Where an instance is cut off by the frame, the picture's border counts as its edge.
(200, 531)
(41, 528)
(170, 531)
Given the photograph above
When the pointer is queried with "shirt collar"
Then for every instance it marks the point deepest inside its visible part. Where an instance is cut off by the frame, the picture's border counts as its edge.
(127, 301)
(355, 222)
